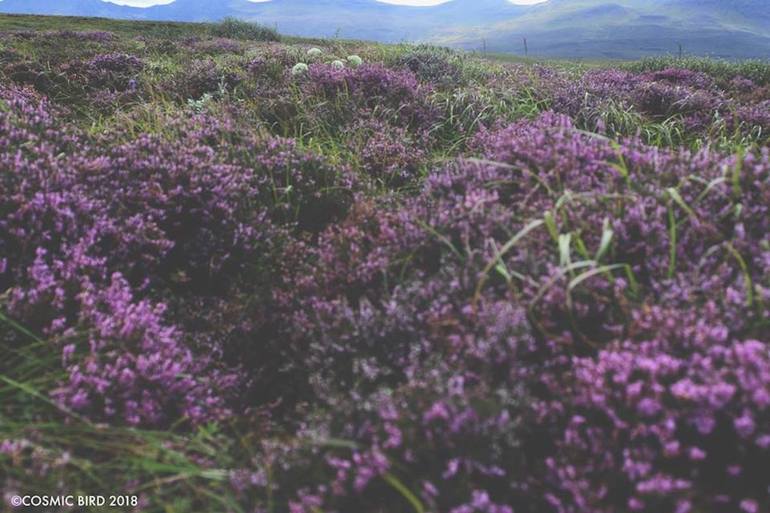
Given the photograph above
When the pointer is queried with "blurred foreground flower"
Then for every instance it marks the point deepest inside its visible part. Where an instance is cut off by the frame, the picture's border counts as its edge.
(355, 60)
(299, 69)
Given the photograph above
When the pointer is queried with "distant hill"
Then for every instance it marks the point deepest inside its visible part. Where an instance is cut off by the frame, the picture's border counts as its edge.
(627, 29)
(564, 28)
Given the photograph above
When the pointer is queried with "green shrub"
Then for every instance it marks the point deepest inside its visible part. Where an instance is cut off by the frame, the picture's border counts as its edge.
(239, 29)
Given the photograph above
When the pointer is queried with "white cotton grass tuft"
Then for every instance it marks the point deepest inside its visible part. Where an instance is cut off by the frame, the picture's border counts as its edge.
(355, 60)
(299, 69)
(338, 64)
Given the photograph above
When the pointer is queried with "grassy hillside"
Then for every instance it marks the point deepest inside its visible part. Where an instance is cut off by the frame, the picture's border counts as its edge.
(244, 272)
(625, 29)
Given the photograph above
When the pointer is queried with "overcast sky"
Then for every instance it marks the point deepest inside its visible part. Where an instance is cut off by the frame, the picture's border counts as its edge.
(148, 3)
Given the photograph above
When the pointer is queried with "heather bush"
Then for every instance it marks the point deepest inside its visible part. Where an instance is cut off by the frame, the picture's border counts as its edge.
(64, 244)
(136, 370)
(667, 422)
(401, 298)
(220, 45)
(96, 36)
(177, 220)
(248, 278)
(107, 79)
(433, 66)
(756, 118)
(26, 73)
(389, 154)
(268, 71)
(395, 95)
(721, 70)
(627, 104)
(204, 76)
(680, 76)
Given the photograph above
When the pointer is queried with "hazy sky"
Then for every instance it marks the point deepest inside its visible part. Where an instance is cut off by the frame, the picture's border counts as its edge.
(139, 3)
(436, 2)
(148, 3)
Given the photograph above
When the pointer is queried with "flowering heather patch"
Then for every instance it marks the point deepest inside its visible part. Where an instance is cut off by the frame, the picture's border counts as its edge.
(104, 80)
(203, 76)
(137, 370)
(115, 62)
(217, 46)
(682, 77)
(292, 281)
(368, 87)
(694, 100)
(431, 66)
(96, 36)
(158, 214)
(755, 117)
(389, 153)
(584, 278)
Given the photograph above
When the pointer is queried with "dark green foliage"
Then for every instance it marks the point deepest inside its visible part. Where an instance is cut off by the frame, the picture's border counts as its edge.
(239, 29)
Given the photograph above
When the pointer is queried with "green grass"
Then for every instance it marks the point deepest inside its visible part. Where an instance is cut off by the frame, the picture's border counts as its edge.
(164, 29)
(88, 459)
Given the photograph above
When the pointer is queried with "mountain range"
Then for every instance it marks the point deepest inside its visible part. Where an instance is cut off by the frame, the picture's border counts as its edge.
(556, 28)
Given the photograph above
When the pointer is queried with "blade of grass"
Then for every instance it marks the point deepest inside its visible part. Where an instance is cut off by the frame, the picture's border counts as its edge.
(405, 492)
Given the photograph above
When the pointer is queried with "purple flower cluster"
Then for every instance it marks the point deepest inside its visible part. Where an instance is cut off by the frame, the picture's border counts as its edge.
(135, 368)
(111, 74)
(388, 153)
(115, 62)
(469, 306)
(354, 91)
(678, 421)
(693, 98)
(103, 243)
(563, 320)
